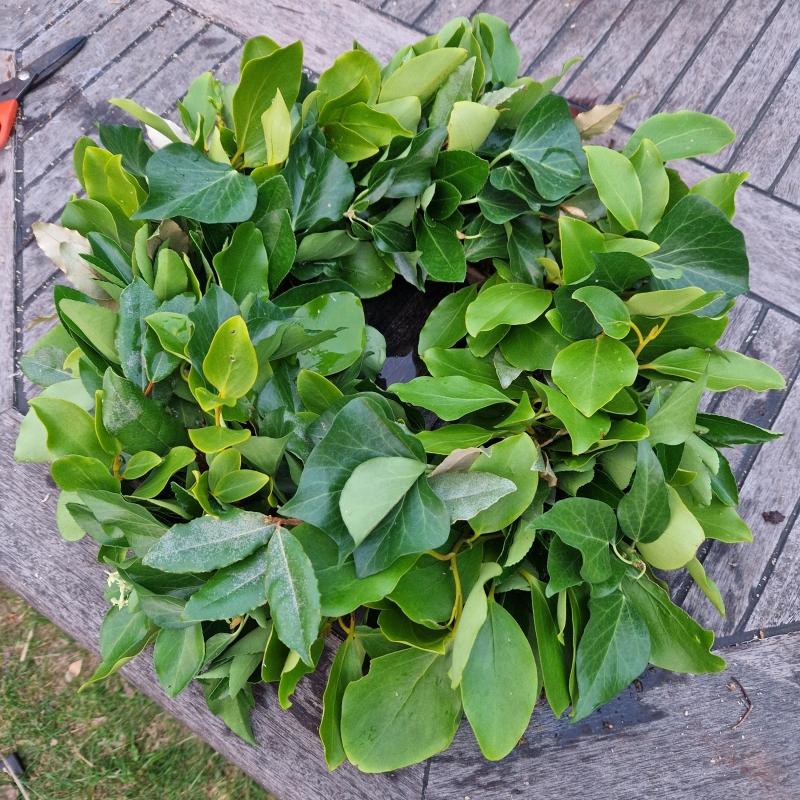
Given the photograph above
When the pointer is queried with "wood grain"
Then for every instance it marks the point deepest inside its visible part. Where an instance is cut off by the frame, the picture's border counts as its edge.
(327, 28)
(583, 32)
(442, 12)
(673, 51)
(512, 10)
(779, 603)
(8, 228)
(770, 486)
(788, 187)
(110, 28)
(766, 151)
(22, 20)
(739, 106)
(538, 27)
(55, 138)
(632, 36)
(674, 739)
(64, 582)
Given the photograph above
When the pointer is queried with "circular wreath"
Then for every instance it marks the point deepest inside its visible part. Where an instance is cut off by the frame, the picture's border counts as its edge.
(216, 418)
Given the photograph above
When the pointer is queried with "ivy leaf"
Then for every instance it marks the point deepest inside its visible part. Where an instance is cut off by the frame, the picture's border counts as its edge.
(498, 688)
(373, 489)
(696, 237)
(401, 713)
(183, 182)
(591, 372)
(129, 143)
(643, 512)
(360, 431)
(549, 145)
(293, 594)
(677, 642)
(320, 183)
(587, 525)
(614, 649)
(464, 170)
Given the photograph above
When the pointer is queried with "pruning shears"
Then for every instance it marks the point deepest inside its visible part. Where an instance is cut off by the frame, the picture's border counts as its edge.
(37, 72)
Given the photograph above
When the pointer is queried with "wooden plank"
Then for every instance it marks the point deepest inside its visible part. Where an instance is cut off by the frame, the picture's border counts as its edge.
(770, 486)
(65, 583)
(512, 10)
(538, 26)
(672, 52)
(582, 33)
(765, 66)
(408, 10)
(631, 37)
(22, 20)
(768, 148)
(327, 29)
(55, 137)
(779, 603)
(719, 57)
(788, 187)
(673, 738)
(8, 230)
(111, 29)
(443, 11)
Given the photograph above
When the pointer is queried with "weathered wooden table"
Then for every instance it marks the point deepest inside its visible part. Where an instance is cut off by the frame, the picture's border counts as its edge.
(667, 735)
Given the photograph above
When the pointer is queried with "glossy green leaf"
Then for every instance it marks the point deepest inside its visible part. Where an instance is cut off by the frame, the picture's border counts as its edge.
(345, 669)
(183, 182)
(156, 481)
(231, 363)
(469, 125)
(338, 310)
(260, 80)
(721, 190)
(373, 488)
(674, 421)
(70, 430)
(727, 369)
(506, 304)
(587, 525)
(444, 440)
(498, 688)
(178, 656)
(614, 649)
(441, 252)
(617, 184)
(449, 398)
(446, 324)
(684, 134)
(677, 642)
(238, 485)
(552, 656)
(643, 512)
(654, 184)
(243, 266)
(549, 145)
(578, 241)
(680, 540)
(591, 372)
(467, 493)
(422, 75)
(609, 311)
(402, 712)
(234, 590)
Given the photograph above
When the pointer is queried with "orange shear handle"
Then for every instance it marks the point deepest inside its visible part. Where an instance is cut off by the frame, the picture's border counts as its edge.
(8, 113)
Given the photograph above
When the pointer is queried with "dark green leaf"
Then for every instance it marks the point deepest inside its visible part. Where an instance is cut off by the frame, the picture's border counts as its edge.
(643, 512)
(442, 254)
(183, 182)
(178, 656)
(242, 267)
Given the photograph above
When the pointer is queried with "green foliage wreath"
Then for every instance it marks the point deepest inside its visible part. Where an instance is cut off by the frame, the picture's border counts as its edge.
(216, 422)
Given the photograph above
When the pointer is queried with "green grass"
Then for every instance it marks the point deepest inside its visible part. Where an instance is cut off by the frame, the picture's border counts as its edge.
(107, 742)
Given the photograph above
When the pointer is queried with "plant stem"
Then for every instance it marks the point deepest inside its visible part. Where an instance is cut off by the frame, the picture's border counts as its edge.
(501, 156)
